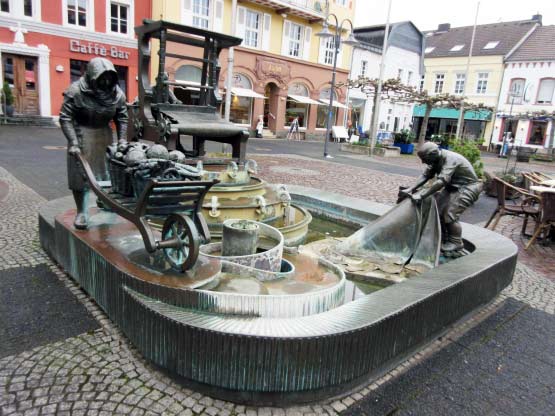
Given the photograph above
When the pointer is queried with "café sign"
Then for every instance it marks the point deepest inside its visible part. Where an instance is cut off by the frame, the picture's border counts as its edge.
(90, 48)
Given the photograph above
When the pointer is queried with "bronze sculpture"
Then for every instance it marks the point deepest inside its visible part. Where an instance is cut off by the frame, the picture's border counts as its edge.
(89, 105)
(455, 186)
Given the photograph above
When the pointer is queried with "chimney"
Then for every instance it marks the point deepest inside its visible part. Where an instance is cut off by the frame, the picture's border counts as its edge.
(443, 27)
(537, 18)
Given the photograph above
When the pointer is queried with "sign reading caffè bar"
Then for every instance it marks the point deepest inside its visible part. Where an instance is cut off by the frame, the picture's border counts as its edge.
(90, 48)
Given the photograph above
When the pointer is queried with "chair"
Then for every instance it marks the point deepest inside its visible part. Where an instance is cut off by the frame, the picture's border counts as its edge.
(534, 178)
(546, 217)
(525, 204)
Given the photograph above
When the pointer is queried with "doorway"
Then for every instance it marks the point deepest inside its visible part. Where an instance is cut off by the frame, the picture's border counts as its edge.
(21, 74)
(270, 106)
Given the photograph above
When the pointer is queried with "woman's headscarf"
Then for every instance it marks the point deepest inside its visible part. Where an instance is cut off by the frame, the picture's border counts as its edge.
(88, 82)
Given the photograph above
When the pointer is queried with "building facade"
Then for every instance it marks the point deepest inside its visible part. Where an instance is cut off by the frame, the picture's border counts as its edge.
(446, 58)
(46, 44)
(528, 92)
(403, 60)
(281, 71)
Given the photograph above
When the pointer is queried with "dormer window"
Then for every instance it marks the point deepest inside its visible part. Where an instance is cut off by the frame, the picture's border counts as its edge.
(491, 45)
(429, 49)
(457, 48)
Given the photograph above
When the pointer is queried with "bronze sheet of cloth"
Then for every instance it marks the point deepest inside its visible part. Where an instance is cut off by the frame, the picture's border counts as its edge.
(93, 143)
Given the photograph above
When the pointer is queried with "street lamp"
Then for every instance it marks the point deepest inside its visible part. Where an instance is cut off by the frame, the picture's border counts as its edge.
(325, 33)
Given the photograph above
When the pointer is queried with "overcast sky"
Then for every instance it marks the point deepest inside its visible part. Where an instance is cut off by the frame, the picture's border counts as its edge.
(426, 14)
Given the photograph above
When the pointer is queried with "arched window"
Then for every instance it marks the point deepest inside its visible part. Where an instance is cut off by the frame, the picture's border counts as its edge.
(189, 74)
(516, 91)
(323, 109)
(296, 105)
(241, 103)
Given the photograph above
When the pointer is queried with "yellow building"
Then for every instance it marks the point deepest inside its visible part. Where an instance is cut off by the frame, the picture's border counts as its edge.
(446, 58)
(282, 69)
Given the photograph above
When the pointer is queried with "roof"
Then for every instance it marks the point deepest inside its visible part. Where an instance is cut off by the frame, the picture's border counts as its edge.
(508, 34)
(540, 46)
(404, 35)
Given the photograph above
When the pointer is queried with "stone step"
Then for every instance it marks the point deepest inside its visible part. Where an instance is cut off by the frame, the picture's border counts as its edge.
(28, 120)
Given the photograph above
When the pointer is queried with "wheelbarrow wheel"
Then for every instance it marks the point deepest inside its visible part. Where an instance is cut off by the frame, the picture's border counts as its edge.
(181, 232)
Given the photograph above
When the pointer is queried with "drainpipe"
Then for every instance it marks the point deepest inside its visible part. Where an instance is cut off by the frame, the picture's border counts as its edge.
(230, 56)
(346, 112)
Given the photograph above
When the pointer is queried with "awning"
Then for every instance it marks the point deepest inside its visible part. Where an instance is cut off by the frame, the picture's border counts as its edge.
(302, 99)
(245, 92)
(333, 104)
(187, 87)
(452, 113)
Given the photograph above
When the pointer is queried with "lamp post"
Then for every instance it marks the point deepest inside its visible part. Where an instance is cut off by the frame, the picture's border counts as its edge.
(351, 41)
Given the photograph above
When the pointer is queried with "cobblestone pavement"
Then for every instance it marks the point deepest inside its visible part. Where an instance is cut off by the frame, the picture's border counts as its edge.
(100, 373)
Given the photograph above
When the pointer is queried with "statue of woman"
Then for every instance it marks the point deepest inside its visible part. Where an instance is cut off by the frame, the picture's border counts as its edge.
(89, 105)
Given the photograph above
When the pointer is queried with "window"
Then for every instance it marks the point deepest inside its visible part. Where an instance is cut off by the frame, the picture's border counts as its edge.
(295, 38)
(400, 74)
(77, 68)
(294, 108)
(537, 132)
(322, 114)
(491, 45)
(329, 50)
(516, 91)
(77, 12)
(119, 15)
(457, 48)
(28, 8)
(190, 74)
(240, 111)
(201, 13)
(341, 2)
(252, 28)
(409, 78)
(429, 49)
(5, 6)
(482, 85)
(545, 92)
(459, 84)
(363, 68)
(440, 79)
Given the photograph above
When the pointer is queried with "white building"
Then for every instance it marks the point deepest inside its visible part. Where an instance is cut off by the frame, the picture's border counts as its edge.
(404, 60)
(528, 90)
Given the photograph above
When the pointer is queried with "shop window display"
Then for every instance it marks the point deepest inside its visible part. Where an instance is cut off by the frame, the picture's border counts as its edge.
(241, 107)
(323, 110)
(294, 108)
(537, 132)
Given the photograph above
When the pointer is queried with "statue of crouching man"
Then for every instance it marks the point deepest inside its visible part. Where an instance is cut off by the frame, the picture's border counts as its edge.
(455, 186)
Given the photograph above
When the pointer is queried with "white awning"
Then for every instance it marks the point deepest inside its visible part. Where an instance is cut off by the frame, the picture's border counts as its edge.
(187, 87)
(245, 92)
(334, 104)
(302, 99)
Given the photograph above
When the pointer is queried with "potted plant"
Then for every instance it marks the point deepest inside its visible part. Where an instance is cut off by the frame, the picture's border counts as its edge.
(7, 100)
(403, 140)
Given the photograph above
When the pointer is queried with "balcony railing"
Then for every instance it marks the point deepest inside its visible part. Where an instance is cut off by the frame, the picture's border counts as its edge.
(307, 9)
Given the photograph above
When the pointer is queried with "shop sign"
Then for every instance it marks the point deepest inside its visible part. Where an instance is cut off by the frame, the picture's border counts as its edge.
(273, 68)
(97, 49)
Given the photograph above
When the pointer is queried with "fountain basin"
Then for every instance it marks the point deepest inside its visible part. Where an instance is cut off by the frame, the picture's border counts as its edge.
(277, 361)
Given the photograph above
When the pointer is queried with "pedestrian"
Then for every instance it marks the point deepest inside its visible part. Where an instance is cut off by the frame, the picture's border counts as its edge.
(260, 126)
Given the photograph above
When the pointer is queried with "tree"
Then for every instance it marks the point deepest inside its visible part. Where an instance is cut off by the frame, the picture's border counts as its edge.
(395, 91)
